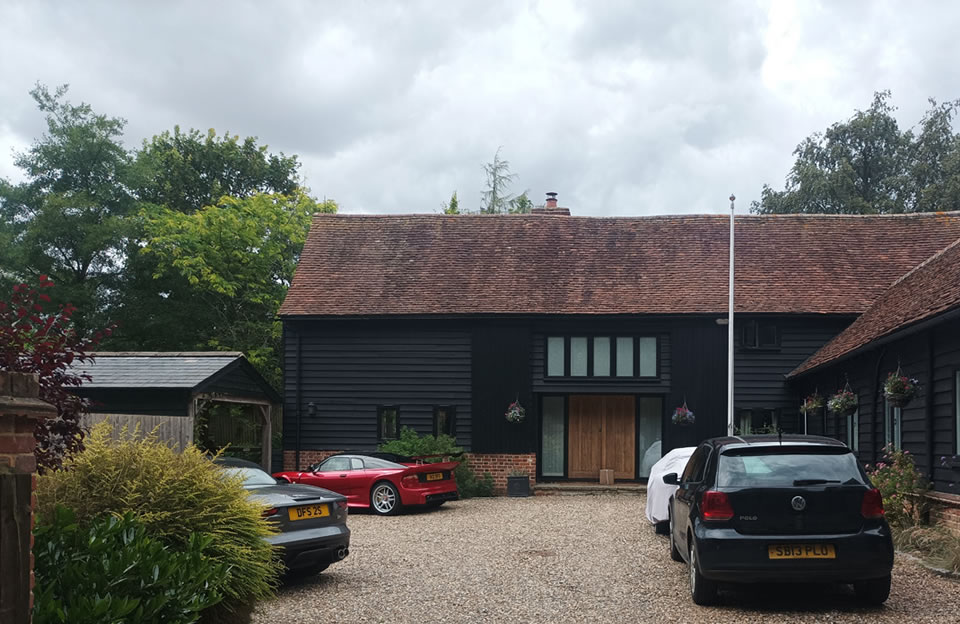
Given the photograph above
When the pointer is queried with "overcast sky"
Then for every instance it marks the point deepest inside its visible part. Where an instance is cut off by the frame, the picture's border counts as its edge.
(624, 108)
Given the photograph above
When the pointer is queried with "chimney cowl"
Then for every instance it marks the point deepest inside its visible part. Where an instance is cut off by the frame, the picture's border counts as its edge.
(551, 200)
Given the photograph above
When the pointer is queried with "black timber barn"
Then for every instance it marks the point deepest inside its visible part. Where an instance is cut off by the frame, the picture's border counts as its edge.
(599, 327)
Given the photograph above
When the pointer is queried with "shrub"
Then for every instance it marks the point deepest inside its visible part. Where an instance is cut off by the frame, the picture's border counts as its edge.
(112, 571)
(174, 495)
(902, 487)
(936, 545)
(412, 445)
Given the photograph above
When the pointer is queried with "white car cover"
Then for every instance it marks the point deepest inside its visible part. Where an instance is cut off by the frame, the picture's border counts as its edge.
(658, 492)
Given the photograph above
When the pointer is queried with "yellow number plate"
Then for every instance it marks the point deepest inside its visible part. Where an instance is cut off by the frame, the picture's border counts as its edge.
(309, 511)
(434, 476)
(801, 551)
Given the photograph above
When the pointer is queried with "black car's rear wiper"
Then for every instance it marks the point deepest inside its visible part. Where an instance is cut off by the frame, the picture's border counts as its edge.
(815, 481)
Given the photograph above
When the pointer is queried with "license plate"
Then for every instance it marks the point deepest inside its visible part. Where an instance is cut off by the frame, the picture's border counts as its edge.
(305, 512)
(801, 551)
(434, 476)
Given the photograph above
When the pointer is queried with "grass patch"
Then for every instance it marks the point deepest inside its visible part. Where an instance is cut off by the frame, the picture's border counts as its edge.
(935, 545)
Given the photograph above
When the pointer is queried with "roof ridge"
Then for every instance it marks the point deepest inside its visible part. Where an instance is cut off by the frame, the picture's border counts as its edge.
(691, 215)
(234, 354)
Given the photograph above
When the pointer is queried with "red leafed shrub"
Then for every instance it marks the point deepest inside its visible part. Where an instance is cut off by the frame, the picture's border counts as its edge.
(32, 341)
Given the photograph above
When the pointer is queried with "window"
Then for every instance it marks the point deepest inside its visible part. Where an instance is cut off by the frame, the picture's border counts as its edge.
(853, 430)
(892, 424)
(956, 408)
(693, 473)
(602, 356)
(578, 357)
(757, 421)
(624, 357)
(356, 463)
(335, 464)
(553, 437)
(744, 422)
(388, 427)
(759, 335)
(555, 356)
(444, 420)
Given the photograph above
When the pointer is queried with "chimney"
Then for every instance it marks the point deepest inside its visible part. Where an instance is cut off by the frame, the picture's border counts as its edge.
(551, 208)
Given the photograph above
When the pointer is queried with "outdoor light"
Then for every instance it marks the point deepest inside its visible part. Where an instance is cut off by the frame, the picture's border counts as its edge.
(311, 409)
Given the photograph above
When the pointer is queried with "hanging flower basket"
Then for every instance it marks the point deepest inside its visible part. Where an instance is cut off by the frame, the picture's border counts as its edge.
(812, 404)
(843, 403)
(683, 415)
(515, 413)
(900, 389)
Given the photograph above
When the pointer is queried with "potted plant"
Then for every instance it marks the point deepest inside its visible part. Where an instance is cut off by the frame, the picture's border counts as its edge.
(518, 484)
(900, 389)
(843, 403)
(515, 412)
(812, 404)
(683, 415)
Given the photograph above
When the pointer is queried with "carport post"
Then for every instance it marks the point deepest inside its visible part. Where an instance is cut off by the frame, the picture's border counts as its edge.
(730, 329)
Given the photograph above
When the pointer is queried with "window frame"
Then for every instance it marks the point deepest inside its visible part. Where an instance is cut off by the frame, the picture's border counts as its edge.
(613, 338)
(381, 410)
(853, 430)
(451, 420)
(753, 327)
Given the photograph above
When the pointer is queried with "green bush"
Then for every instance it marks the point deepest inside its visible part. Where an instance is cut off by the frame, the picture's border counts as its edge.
(938, 546)
(113, 571)
(902, 487)
(174, 495)
(412, 445)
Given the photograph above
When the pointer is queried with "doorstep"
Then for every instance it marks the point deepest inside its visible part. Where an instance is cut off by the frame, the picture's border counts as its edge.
(581, 488)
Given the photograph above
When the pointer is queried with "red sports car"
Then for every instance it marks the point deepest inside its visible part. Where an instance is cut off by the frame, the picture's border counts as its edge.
(382, 482)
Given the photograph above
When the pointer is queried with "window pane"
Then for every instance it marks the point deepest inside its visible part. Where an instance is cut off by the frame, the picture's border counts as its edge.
(650, 410)
(744, 422)
(388, 423)
(553, 435)
(853, 430)
(749, 336)
(578, 357)
(601, 357)
(648, 357)
(555, 356)
(624, 357)
(768, 335)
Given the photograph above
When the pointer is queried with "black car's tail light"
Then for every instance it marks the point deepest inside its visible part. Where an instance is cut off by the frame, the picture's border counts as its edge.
(270, 512)
(872, 506)
(716, 506)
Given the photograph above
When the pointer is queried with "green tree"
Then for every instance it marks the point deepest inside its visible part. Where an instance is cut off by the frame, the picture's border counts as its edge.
(67, 219)
(453, 206)
(186, 171)
(496, 199)
(521, 204)
(867, 165)
(238, 256)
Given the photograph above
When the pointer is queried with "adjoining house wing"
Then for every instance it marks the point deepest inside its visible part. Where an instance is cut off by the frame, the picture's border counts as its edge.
(929, 290)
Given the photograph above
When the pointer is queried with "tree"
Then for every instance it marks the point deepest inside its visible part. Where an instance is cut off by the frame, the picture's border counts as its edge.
(238, 256)
(67, 220)
(496, 199)
(186, 171)
(867, 165)
(47, 344)
(453, 206)
(521, 204)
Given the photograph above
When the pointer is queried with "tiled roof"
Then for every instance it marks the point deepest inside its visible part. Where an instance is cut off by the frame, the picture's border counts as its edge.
(930, 289)
(359, 265)
(147, 369)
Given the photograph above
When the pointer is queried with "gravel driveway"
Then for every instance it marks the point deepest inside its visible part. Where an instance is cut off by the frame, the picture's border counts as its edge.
(558, 559)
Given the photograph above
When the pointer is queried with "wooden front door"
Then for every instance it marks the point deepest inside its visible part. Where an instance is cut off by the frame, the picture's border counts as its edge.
(602, 434)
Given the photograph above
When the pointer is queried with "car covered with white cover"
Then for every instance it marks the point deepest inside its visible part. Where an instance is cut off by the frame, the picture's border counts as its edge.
(658, 492)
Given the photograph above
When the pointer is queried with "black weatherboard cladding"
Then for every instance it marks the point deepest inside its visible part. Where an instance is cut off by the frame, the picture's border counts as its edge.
(501, 375)
(141, 401)
(351, 367)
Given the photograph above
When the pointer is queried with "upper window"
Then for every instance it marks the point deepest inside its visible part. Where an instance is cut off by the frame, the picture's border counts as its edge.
(444, 420)
(388, 423)
(759, 335)
(602, 356)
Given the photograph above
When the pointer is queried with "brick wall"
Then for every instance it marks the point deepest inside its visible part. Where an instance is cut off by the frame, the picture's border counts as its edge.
(20, 409)
(500, 465)
(945, 511)
(306, 458)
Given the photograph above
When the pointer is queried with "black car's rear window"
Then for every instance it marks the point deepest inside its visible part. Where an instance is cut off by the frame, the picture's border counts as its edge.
(784, 467)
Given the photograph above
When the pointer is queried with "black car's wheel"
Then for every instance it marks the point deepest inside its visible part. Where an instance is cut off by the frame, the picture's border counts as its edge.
(674, 551)
(384, 499)
(874, 591)
(702, 590)
(662, 528)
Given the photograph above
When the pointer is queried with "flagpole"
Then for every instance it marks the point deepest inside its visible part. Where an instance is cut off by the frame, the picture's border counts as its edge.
(730, 427)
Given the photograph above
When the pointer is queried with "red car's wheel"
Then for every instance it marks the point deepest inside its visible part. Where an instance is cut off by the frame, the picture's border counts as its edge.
(385, 499)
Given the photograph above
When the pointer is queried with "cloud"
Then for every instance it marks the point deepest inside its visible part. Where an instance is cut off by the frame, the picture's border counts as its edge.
(622, 107)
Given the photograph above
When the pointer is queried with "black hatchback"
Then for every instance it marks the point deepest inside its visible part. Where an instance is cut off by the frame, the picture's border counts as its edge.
(786, 508)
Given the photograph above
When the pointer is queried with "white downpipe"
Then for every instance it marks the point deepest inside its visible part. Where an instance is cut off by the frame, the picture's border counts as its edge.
(730, 330)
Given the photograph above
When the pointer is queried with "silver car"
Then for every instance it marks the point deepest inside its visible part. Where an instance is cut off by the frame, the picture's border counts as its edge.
(312, 521)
